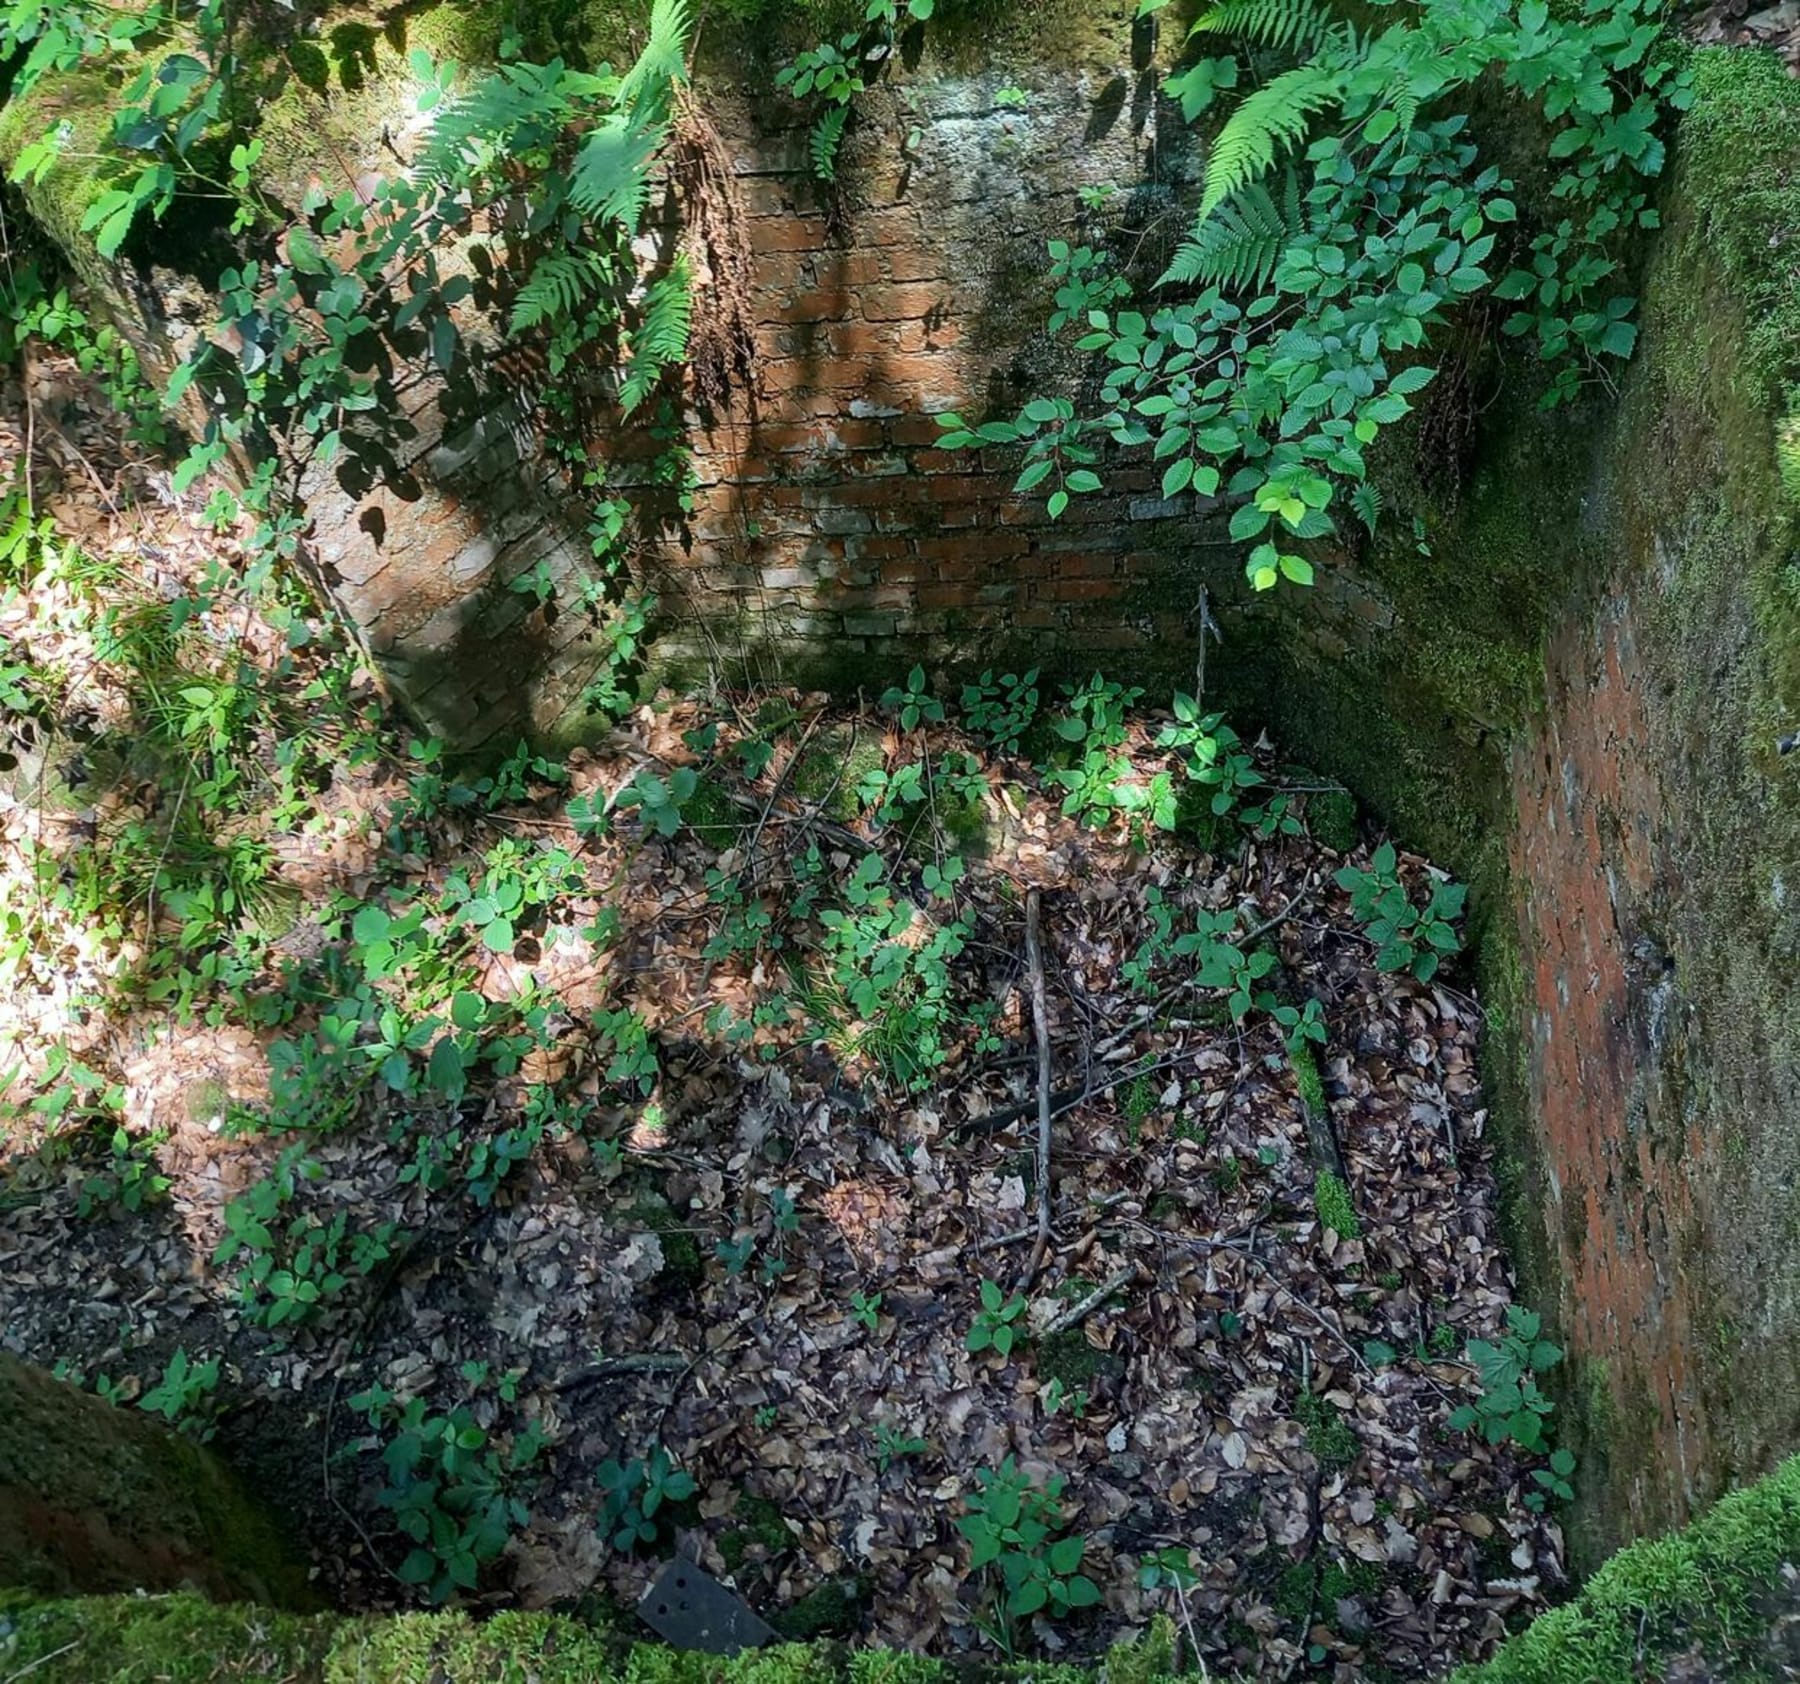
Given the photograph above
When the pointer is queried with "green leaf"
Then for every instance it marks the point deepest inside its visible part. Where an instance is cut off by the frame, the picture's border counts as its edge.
(445, 1072)
(1177, 477)
(1065, 1556)
(467, 1010)
(1082, 1592)
(369, 926)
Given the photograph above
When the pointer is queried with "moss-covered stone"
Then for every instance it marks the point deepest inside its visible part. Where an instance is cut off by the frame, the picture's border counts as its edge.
(98, 1498)
(757, 1524)
(1331, 819)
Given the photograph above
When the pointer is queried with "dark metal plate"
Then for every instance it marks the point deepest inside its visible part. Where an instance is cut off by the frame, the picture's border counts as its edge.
(690, 1609)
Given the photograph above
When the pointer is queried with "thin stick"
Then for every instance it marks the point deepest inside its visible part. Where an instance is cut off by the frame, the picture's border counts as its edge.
(643, 1362)
(42, 1660)
(1075, 1313)
(1040, 1019)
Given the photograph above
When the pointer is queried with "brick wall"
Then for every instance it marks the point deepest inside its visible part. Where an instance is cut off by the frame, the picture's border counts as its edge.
(829, 538)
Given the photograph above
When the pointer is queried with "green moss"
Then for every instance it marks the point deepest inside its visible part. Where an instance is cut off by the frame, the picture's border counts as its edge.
(759, 1525)
(153, 1508)
(1331, 819)
(832, 1609)
(1331, 1200)
(1328, 1435)
(1308, 1082)
(831, 770)
(1698, 1588)
(1068, 1357)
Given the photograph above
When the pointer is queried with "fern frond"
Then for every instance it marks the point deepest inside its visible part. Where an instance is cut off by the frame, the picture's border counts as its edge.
(826, 133)
(560, 284)
(1286, 25)
(610, 177)
(661, 336)
(492, 117)
(1240, 244)
(647, 85)
(1366, 501)
(1275, 116)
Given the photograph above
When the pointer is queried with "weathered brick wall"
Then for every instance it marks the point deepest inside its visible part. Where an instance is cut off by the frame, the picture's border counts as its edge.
(1577, 698)
(829, 537)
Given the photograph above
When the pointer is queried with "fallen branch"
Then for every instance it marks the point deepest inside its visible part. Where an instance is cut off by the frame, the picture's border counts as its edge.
(1040, 1020)
(1075, 1313)
(639, 1362)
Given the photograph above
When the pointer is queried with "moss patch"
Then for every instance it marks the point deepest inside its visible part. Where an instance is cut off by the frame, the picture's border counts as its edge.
(1068, 1357)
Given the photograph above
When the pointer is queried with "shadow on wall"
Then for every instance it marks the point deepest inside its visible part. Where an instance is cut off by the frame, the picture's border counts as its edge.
(827, 539)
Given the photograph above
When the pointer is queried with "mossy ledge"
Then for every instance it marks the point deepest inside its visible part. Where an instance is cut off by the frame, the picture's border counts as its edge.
(1706, 1591)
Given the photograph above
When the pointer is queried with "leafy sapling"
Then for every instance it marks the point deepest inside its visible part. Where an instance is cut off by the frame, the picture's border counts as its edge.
(993, 1325)
(1016, 1532)
(633, 1496)
(183, 1396)
(1407, 937)
(891, 1443)
(866, 1309)
(914, 703)
(1510, 1406)
(1001, 709)
(660, 801)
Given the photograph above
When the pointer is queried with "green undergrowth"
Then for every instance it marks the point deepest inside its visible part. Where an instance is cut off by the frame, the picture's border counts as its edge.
(1709, 1589)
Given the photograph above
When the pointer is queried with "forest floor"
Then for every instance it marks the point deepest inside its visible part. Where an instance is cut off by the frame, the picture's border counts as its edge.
(637, 1145)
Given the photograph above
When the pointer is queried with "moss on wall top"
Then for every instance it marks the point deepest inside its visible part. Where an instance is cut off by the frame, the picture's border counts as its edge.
(1712, 1592)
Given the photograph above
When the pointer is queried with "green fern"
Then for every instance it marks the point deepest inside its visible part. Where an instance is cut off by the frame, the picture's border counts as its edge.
(826, 134)
(1240, 244)
(1272, 118)
(661, 337)
(1286, 25)
(1365, 499)
(648, 87)
(560, 283)
(507, 110)
(610, 179)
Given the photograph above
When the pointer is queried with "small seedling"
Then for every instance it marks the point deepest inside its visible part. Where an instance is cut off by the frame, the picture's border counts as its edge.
(1014, 1527)
(1056, 1395)
(891, 1443)
(1406, 936)
(993, 1325)
(915, 702)
(1552, 1481)
(866, 1308)
(633, 1494)
(1510, 1405)
(1171, 1568)
(182, 1397)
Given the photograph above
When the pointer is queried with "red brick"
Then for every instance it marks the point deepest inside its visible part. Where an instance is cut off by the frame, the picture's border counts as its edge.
(929, 336)
(897, 227)
(829, 304)
(948, 596)
(900, 303)
(861, 339)
(787, 233)
(1078, 590)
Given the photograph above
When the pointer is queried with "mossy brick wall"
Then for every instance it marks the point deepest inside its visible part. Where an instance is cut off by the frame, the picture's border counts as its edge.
(829, 539)
(1576, 699)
